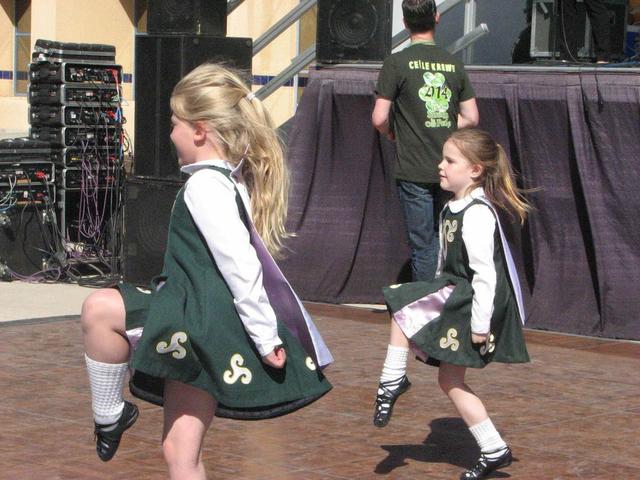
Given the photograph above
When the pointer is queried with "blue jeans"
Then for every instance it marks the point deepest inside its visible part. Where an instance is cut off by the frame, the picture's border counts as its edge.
(418, 205)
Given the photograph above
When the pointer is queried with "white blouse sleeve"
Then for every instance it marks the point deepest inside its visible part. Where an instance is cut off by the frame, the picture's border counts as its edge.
(478, 228)
(211, 200)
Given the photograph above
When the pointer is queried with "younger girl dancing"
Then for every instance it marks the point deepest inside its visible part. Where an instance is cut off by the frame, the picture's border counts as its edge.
(471, 314)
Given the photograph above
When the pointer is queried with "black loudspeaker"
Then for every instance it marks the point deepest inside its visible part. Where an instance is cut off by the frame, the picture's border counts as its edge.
(24, 231)
(195, 17)
(148, 204)
(161, 61)
(353, 31)
(618, 15)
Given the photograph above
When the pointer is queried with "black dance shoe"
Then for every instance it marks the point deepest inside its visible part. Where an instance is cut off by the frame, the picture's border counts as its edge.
(487, 465)
(108, 436)
(386, 399)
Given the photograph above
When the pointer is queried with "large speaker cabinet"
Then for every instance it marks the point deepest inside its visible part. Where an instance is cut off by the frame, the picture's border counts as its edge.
(195, 17)
(353, 31)
(146, 224)
(23, 230)
(161, 61)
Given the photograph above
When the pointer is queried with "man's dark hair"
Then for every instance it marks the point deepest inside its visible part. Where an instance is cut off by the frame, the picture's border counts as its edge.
(419, 15)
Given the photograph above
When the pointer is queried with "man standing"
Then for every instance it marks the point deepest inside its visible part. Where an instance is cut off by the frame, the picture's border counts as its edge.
(600, 28)
(423, 94)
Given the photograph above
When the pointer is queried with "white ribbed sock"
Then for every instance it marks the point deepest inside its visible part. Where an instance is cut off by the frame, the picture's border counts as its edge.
(488, 438)
(106, 381)
(395, 365)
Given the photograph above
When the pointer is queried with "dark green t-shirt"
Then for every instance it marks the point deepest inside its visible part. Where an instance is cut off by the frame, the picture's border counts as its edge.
(426, 84)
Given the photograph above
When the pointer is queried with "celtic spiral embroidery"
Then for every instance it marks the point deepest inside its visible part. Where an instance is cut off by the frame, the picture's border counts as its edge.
(237, 372)
(176, 350)
(489, 346)
(450, 227)
(450, 340)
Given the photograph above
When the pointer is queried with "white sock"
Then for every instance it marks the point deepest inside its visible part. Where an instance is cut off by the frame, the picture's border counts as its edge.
(488, 438)
(395, 365)
(106, 381)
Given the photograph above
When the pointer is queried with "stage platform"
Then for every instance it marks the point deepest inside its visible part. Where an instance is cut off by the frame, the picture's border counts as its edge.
(572, 413)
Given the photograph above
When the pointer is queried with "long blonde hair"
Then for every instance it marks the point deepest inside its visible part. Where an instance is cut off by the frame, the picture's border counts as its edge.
(217, 96)
(497, 178)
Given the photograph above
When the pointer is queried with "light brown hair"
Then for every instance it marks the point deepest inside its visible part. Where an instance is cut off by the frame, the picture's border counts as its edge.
(218, 97)
(497, 178)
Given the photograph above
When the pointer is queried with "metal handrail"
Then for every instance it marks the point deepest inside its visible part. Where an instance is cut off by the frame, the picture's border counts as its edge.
(467, 39)
(282, 24)
(232, 5)
(299, 62)
(403, 36)
(302, 60)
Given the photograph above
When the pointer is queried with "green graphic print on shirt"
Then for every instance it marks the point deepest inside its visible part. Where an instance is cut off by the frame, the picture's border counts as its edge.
(426, 85)
(436, 97)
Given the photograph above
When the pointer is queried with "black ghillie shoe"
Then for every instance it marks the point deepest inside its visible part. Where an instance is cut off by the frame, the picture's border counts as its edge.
(487, 465)
(108, 436)
(386, 398)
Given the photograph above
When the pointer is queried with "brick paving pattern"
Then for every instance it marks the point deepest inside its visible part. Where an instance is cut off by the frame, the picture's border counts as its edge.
(572, 413)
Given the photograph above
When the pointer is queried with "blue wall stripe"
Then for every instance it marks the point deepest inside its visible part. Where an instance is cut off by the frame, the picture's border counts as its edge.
(264, 79)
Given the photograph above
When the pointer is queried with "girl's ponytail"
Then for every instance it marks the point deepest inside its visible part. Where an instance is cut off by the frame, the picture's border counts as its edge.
(267, 175)
(497, 178)
(501, 188)
(219, 97)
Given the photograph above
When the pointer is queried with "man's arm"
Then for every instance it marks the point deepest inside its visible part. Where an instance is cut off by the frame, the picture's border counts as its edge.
(468, 116)
(380, 117)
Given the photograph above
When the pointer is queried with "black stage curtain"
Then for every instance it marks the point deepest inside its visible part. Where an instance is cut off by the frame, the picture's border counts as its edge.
(350, 239)
(573, 135)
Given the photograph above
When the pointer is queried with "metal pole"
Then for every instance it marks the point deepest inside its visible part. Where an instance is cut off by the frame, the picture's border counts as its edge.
(299, 62)
(308, 55)
(232, 5)
(402, 36)
(284, 23)
(466, 40)
(283, 77)
(470, 9)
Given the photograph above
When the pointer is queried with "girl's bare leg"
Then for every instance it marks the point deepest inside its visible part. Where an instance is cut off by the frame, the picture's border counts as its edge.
(103, 327)
(396, 337)
(469, 406)
(107, 352)
(188, 412)
(494, 451)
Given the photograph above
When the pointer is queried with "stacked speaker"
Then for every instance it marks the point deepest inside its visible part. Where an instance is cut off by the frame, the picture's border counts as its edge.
(353, 31)
(27, 203)
(75, 107)
(181, 36)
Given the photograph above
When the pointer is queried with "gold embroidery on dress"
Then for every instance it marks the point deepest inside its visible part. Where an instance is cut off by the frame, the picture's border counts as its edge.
(450, 340)
(448, 229)
(310, 364)
(237, 372)
(489, 346)
(176, 350)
